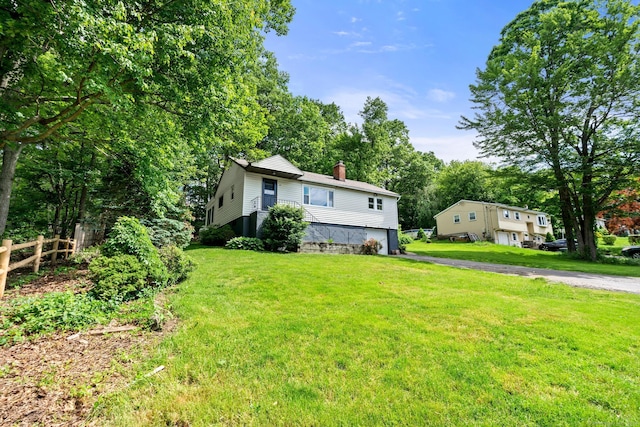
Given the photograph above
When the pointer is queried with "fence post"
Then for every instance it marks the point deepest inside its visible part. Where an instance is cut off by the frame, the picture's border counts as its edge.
(4, 265)
(54, 255)
(66, 248)
(38, 254)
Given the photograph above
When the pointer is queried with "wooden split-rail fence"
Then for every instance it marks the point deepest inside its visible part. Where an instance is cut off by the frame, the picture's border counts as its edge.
(60, 246)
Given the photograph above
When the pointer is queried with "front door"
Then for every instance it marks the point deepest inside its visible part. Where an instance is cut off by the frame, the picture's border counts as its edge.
(269, 193)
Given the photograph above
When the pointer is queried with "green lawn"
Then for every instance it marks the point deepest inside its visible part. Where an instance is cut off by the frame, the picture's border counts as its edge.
(322, 340)
(501, 254)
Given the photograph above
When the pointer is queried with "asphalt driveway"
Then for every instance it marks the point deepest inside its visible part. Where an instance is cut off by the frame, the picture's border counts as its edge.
(573, 278)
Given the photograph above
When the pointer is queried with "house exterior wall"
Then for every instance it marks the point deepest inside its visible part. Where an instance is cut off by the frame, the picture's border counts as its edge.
(492, 223)
(231, 183)
(350, 207)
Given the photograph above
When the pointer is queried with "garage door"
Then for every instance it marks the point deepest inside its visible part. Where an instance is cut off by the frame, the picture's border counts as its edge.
(380, 236)
(503, 238)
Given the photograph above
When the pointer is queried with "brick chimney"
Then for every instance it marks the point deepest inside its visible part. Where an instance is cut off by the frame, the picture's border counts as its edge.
(339, 171)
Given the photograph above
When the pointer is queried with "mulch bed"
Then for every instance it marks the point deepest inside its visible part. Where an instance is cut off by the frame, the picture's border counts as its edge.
(55, 380)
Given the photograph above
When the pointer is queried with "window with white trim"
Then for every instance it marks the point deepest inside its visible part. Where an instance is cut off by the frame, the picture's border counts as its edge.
(317, 196)
(505, 213)
(516, 215)
(375, 203)
(542, 220)
(456, 219)
(472, 216)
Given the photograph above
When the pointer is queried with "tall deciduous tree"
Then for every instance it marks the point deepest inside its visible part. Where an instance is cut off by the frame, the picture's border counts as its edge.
(192, 58)
(561, 90)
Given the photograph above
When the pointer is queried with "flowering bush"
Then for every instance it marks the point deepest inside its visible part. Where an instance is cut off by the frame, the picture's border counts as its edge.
(371, 247)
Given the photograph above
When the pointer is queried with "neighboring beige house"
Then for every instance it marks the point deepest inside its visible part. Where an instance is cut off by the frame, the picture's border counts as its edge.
(505, 225)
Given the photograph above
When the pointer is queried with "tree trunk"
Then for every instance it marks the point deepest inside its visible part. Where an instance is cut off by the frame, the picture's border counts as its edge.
(9, 162)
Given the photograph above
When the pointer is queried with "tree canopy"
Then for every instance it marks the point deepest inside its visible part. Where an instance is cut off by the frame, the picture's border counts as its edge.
(561, 90)
(191, 58)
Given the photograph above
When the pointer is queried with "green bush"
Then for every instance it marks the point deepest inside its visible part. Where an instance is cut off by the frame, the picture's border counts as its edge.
(634, 239)
(549, 237)
(403, 241)
(118, 278)
(421, 234)
(216, 236)
(246, 243)
(284, 228)
(130, 237)
(609, 239)
(87, 255)
(178, 264)
(52, 312)
(169, 232)
(371, 247)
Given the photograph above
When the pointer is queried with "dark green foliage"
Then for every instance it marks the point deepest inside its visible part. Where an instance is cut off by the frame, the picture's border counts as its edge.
(609, 239)
(119, 278)
(421, 234)
(216, 236)
(549, 237)
(52, 312)
(169, 232)
(130, 237)
(178, 264)
(404, 240)
(284, 228)
(634, 239)
(371, 247)
(246, 243)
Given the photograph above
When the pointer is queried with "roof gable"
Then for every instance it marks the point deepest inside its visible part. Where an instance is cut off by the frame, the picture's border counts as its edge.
(274, 165)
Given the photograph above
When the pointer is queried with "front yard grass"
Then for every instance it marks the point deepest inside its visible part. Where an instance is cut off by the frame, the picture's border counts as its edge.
(302, 339)
(501, 254)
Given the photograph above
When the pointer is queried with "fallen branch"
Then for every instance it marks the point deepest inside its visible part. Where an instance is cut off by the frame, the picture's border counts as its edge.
(110, 330)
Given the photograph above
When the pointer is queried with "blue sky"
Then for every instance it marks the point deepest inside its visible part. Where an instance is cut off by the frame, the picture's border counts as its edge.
(417, 56)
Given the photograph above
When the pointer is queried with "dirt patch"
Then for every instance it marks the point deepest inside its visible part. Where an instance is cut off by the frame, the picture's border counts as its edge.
(55, 380)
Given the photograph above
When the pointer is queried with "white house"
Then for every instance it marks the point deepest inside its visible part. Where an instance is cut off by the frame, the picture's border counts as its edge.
(338, 210)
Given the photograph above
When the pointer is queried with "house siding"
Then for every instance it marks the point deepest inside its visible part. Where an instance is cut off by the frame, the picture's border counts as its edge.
(350, 207)
(491, 223)
(231, 208)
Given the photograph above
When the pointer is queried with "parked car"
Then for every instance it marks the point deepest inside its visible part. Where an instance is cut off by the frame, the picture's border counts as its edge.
(631, 252)
(556, 245)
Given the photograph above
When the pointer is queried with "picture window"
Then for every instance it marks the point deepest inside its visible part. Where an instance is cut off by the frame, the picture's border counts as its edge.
(316, 196)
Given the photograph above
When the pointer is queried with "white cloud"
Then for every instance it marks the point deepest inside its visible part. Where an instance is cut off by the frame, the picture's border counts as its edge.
(354, 20)
(400, 16)
(358, 44)
(448, 147)
(342, 33)
(439, 95)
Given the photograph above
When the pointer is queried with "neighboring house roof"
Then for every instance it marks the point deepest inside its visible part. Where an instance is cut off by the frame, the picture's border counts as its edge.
(279, 166)
(499, 205)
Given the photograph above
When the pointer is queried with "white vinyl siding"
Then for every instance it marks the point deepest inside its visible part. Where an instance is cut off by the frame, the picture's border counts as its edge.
(232, 208)
(350, 207)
